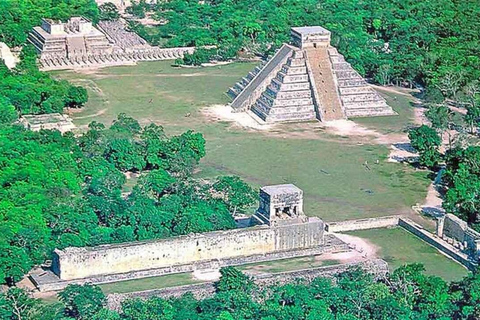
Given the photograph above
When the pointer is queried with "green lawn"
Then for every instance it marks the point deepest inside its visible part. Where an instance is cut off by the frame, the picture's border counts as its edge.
(399, 247)
(401, 104)
(328, 168)
(151, 283)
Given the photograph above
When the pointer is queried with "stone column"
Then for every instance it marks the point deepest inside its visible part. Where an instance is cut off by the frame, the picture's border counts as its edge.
(440, 225)
(477, 250)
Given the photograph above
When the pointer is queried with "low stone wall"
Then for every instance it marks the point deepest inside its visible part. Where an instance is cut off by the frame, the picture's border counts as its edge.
(377, 267)
(436, 242)
(362, 224)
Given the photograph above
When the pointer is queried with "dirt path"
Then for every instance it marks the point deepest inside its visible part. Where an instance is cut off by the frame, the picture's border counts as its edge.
(96, 114)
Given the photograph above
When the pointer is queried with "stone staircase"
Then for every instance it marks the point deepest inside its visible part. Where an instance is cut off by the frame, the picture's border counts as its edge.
(288, 97)
(234, 91)
(262, 77)
(329, 104)
(358, 98)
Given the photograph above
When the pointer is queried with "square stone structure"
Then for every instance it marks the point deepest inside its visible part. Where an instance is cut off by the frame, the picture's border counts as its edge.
(310, 37)
(285, 230)
(280, 205)
(75, 38)
(306, 80)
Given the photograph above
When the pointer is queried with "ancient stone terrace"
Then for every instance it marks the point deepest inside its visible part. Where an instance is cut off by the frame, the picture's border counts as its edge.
(77, 44)
(304, 81)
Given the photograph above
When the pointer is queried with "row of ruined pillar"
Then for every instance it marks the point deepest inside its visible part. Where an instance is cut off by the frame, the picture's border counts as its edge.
(114, 57)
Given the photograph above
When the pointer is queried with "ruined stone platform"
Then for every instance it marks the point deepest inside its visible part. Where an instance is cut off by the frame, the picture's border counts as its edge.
(50, 121)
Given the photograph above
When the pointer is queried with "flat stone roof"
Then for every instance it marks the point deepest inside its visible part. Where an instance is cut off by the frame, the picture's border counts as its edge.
(281, 189)
(311, 30)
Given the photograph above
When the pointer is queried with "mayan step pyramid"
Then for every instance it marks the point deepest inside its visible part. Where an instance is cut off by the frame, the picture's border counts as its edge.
(307, 80)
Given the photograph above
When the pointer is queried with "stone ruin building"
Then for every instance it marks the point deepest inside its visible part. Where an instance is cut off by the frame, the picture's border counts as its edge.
(307, 80)
(279, 230)
(457, 233)
(77, 43)
(280, 204)
(50, 121)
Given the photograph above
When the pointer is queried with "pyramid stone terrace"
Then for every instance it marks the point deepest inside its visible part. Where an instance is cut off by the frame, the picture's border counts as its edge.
(307, 80)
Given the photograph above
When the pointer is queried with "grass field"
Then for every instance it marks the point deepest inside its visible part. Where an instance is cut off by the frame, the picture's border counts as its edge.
(148, 283)
(329, 169)
(399, 247)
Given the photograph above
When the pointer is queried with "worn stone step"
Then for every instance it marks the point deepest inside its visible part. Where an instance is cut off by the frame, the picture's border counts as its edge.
(285, 78)
(278, 85)
(294, 70)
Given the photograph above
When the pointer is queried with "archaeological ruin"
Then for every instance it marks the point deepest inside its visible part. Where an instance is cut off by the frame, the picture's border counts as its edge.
(279, 230)
(77, 43)
(457, 233)
(307, 80)
(50, 121)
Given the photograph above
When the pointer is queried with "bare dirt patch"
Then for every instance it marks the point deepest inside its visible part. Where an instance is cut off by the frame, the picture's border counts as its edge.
(96, 114)
(206, 275)
(401, 152)
(242, 119)
(348, 128)
(361, 250)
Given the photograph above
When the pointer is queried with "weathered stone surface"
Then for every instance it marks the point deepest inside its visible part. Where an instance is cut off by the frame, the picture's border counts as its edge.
(453, 229)
(48, 281)
(7, 56)
(363, 224)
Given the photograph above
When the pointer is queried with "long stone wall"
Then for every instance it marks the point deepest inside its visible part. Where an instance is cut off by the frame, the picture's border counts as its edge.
(377, 267)
(363, 224)
(77, 263)
(48, 281)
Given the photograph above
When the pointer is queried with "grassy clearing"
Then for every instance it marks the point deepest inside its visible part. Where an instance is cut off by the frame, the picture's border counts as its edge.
(399, 247)
(403, 105)
(148, 283)
(155, 91)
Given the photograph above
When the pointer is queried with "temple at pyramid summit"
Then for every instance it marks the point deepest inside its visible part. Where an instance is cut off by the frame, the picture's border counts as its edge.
(307, 80)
